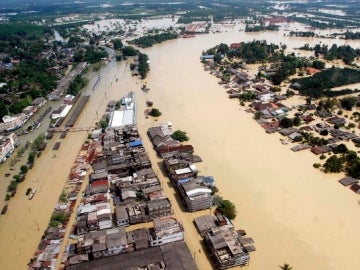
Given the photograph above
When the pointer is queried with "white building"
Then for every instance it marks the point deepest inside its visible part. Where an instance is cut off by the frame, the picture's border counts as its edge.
(166, 230)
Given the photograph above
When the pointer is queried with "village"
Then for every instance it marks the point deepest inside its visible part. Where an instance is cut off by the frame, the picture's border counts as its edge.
(113, 189)
(297, 123)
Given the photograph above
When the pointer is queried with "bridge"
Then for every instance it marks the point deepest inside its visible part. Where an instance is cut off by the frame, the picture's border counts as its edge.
(71, 129)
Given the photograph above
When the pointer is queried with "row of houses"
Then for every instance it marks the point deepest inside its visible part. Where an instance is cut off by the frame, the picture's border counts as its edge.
(178, 164)
(226, 247)
(7, 146)
(11, 123)
(115, 241)
(123, 190)
(47, 253)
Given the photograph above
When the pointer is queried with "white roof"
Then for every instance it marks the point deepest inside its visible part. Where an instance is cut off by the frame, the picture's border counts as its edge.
(197, 191)
(181, 171)
(105, 224)
(103, 211)
(128, 117)
(86, 209)
(193, 168)
(116, 119)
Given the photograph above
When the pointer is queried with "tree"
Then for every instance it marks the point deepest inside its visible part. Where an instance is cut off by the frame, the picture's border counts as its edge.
(180, 136)
(155, 112)
(348, 102)
(24, 169)
(118, 45)
(297, 121)
(334, 164)
(286, 266)
(217, 58)
(227, 208)
(286, 122)
(129, 51)
(318, 64)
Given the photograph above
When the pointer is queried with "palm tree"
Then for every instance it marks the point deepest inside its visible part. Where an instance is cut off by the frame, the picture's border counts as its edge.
(286, 266)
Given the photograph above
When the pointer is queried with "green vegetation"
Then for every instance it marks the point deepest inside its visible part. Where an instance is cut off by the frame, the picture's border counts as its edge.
(24, 169)
(63, 197)
(334, 164)
(155, 112)
(91, 54)
(57, 219)
(227, 208)
(352, 35)
(258, 28)
(302, 33)
(143, 67)
(37, 142)
(76, 85)
(118, 45)
(129, 51)
(104, 123)
(319, 84)
(149, 40)
(180, 136)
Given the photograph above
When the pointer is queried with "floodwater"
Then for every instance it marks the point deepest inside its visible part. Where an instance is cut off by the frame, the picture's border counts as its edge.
(295, 213)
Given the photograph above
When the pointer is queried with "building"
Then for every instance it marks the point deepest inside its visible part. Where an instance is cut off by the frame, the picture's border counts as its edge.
(7, 146)
(166, 230)
(195, 196)
(39, 102)
(225, 248)
(159, 208)
(122, 216)
(13, 122)
(170, 256)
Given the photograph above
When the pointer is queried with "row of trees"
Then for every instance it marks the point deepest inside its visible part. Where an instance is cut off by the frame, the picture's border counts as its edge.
(343, 52)
(76, 85)
(343, 160)
(149, 40)
(316, 85)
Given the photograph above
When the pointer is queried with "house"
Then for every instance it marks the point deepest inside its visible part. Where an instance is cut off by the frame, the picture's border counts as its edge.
(138, 239)
(225, 248)
(135, 214)
(166, 230)
(159, 208)
(39, 102)
(116, 241)
(204, 224)
(311, 71)
(195, 196)
(265, 96)
(356, 188)
(347, 181)
(122, 216)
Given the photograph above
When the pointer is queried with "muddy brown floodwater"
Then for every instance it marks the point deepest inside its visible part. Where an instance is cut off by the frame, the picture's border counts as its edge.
(295, 213)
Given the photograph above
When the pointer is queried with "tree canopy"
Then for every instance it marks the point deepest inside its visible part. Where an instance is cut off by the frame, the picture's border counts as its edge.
(227, 208)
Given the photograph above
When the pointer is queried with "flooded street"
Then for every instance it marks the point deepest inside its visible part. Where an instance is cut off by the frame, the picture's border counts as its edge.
(295, 213)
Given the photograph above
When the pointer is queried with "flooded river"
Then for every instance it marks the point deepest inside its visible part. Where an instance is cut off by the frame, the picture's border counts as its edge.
(295, 213)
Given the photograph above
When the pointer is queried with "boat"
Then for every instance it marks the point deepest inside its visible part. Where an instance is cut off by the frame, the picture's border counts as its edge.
(4, 210)
(32, 193)
(149, 103)
(145, 88)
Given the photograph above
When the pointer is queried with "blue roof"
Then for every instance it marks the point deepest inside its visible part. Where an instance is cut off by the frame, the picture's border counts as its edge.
(209, 180)
(135, 143)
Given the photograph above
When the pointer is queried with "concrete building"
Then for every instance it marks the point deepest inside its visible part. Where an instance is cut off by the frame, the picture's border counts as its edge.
(166, 230)
(225, 248)
(122, 216)
(195, 196)
(159, 208)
